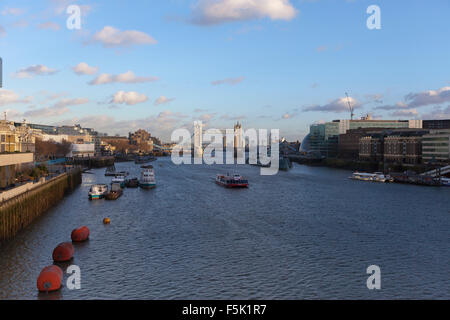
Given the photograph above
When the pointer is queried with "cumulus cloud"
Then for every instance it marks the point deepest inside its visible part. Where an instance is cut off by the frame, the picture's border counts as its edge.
(36, 70)
(163, 100)
(437, 113)
(46, 112)
(127, 77)
(339, 105)
(160, 125)
(11, 97)
(84, 69)
(421, 99)
(49, 26)
(60, 7)
(111, 37)
(129, 98)
(13, 114)
(61, 107)
(397, 106)
(376, 97)
(405, 113)
(210, 12)
(230, 81)
(70, 102)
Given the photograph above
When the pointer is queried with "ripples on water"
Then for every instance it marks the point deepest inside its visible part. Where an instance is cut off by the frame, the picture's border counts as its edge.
(308, 233)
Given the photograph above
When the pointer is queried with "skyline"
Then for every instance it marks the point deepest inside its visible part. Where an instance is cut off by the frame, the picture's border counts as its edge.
(276, 64)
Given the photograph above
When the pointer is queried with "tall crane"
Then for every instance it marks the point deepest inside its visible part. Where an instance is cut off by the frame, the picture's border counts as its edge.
(352, 109)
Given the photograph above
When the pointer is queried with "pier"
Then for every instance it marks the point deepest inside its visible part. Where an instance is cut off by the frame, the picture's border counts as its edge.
(23, 207)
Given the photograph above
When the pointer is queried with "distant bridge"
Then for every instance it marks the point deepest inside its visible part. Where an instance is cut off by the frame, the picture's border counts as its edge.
(437, 172)
(161, 148)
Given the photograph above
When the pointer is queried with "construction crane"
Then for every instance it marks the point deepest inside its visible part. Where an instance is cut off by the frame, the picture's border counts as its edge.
(352, 109)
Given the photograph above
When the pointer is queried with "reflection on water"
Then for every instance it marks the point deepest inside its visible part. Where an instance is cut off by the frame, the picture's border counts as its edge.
(307, 233)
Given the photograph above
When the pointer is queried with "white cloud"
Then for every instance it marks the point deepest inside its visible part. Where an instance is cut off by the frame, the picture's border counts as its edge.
(337, 106)
(60, 7)
(10, 97)
(58, 109)
(161, 125)
(36, 70)
(428, 97)
(84, 69)
(129, 98)
(70, 102)
(405, 113)
(421, 99)
(46, 112)
(127, 77)
(163, 100)
(2, 32)
(13, 114)
(111, 37)
(49, 26)
(210, 12)
(437, 113)
(230, 81)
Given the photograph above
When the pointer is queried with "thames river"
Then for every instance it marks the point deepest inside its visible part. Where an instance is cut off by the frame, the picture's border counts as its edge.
(309, 233)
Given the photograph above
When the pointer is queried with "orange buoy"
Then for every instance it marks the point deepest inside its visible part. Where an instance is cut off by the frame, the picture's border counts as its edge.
(63, 252)
(106, 221)
(50, 279)
(80, 234)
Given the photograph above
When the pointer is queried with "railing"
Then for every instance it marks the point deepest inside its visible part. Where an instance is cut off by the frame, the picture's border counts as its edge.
(437, 172)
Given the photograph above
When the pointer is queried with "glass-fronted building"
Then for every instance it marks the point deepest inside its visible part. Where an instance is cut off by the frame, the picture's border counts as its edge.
(436, 146)
(324, 137)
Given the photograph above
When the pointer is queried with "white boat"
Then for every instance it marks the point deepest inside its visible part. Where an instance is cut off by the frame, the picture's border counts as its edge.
(119, 179)
(98, 191)
(374, 177)
(445, 182)
(147, 179)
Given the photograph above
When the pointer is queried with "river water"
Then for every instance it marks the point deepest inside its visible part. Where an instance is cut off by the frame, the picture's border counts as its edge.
(309, 233)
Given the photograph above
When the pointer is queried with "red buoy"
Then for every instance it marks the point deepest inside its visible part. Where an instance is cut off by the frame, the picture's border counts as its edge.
(50, 279)
(80, 234)
(63, 252)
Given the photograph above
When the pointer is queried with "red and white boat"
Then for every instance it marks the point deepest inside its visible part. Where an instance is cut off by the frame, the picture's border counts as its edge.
(235, 181)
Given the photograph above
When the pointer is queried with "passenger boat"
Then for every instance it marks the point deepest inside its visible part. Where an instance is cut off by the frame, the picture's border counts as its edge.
(111, 172)
(374, 177)
(98, 191)
(115, 193)
(132, 183)
(235, 181)
(144, 159)
(147, 180)
(120, 179)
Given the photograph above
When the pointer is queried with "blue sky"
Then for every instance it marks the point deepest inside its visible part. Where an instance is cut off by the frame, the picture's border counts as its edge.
(283, 64)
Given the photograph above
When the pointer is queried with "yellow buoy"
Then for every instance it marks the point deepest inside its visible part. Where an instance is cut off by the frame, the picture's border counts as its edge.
(106, 221)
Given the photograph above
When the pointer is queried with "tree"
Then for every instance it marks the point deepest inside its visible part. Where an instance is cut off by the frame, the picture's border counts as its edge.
(48, 149)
